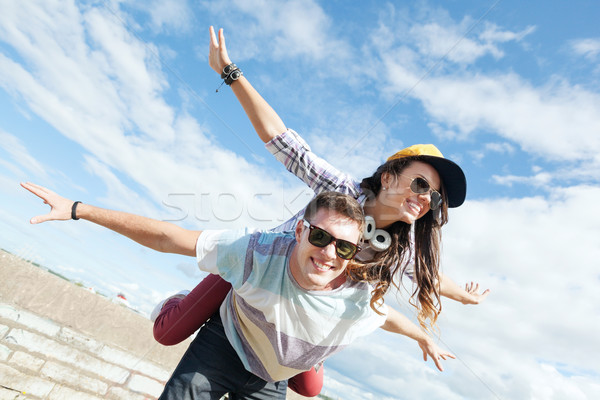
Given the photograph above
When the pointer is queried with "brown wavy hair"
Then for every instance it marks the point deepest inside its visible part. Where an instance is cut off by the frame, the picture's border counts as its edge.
(387, 267)
(341, 203)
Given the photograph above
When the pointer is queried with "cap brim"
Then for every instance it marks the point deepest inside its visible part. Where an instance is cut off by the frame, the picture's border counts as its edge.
(453, 178)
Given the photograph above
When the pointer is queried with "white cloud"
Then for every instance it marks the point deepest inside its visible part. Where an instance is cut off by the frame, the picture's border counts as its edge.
(555, 120)
(530, 338)
(543, 121)
(527, 246)
(436, 36)
(478, 156)
(171, 15)
(540, 179)
(589, 48)
(291, 28)
(19, 153)
(493, 33)
(501, 148)
(126, 124)
(134, 70)
(118, 195)
(437, 41)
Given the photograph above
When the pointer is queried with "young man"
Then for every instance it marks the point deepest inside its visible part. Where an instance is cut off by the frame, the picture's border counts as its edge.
(292, 304)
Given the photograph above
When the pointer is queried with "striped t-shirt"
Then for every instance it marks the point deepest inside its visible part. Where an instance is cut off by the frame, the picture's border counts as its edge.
(277, 328)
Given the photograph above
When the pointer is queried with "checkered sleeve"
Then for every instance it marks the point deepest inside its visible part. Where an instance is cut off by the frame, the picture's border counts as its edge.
(297, 157)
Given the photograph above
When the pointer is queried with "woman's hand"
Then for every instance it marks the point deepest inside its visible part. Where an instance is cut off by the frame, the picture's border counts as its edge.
(435, 352)
(217, 54)
(474, 296)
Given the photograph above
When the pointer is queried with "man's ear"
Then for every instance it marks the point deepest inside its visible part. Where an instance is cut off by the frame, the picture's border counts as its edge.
(299, 230)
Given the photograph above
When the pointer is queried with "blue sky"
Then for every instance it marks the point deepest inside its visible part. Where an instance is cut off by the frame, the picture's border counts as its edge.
(113, 103)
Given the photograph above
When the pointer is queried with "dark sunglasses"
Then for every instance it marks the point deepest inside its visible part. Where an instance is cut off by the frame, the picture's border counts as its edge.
(420, 186)
(320, 238)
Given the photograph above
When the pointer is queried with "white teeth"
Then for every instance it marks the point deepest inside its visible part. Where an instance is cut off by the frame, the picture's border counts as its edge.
(415, 207)
(322, 266)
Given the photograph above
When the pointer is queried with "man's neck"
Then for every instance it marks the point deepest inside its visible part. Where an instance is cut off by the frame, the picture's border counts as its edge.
(336, 283)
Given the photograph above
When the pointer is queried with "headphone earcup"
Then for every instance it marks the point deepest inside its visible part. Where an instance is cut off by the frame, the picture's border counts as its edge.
(369, 230)
(381, 240)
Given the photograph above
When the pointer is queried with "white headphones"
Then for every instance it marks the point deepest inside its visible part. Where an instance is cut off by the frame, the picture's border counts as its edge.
(378, 239)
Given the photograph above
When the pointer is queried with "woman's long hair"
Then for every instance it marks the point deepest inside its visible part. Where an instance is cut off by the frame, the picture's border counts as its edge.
(387, 267)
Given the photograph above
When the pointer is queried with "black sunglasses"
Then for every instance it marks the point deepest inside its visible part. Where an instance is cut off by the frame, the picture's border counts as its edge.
(320, 237)
(420, 186)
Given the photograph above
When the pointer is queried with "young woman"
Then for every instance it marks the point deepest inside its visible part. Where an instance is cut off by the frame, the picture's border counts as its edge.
(407, 199)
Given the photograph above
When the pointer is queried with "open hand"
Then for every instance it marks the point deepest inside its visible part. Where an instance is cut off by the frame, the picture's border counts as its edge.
(60, 208)
(217, 53)
(475, 297)
(435, 352)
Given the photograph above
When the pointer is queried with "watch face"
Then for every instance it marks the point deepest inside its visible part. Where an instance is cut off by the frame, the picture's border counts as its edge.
(228, 68)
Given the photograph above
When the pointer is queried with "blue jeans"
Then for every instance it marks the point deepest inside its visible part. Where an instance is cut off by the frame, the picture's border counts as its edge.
(210, 368)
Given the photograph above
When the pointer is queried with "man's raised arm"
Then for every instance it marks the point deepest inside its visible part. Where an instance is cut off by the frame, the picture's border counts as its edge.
(157, 235)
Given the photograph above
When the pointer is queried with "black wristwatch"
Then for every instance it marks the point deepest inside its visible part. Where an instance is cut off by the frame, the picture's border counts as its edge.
(228, 70)
(233, 76)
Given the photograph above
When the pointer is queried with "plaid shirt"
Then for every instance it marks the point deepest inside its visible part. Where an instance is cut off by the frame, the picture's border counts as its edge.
(297, 157)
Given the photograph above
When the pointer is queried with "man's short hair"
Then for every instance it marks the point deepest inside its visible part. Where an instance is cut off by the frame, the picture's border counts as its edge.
(341, 203)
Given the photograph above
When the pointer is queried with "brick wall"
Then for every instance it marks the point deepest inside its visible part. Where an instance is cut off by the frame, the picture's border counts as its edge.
(59, 341)
(46, 360)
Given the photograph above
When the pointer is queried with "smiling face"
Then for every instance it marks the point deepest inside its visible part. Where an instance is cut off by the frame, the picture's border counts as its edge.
(319, 268)
(398, 202)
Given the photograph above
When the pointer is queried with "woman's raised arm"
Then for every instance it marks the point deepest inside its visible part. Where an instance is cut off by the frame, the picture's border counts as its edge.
(265, 120)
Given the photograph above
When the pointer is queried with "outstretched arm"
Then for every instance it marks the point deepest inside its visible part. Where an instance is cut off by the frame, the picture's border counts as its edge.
(398, 323)
(158, 235)
(265, 120)
(469, 295)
